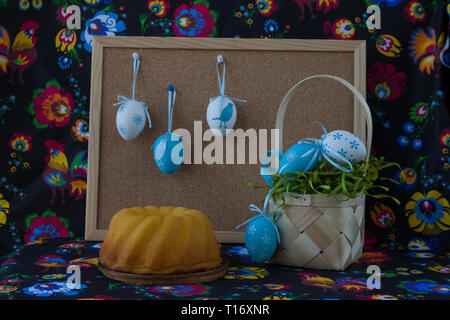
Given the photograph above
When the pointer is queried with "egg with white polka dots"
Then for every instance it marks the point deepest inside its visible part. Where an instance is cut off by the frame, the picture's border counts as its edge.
(346, 144)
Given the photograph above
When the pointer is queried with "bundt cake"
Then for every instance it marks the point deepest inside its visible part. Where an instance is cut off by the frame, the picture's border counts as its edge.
(160, 240)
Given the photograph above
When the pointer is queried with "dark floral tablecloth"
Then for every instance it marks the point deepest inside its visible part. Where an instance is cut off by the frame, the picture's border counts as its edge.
(44, 133)
(39, 271)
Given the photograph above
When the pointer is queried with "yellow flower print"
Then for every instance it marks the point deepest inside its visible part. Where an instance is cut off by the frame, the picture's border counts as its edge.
(428, 214)
(4, 209)
(246, 273)
(440, 269)
(276, 298)
(7, 288)
(65, 40)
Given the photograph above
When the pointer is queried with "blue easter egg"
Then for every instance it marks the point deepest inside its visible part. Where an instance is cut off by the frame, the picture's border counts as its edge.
(261, 239)
(301, 157)
(168, 152)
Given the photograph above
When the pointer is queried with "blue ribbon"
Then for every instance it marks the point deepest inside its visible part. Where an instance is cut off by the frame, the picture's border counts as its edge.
(324, 154)
(172, 95)
(123, 100)
(262, 213)
(222, 82)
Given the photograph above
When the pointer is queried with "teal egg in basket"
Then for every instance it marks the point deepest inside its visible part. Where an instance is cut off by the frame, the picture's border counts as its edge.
(301, 157)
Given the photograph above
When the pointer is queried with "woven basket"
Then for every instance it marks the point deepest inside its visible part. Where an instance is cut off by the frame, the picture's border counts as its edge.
(317, 231)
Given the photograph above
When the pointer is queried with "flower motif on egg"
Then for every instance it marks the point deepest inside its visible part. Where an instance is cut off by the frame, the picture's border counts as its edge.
(130, 119)
(346, 144)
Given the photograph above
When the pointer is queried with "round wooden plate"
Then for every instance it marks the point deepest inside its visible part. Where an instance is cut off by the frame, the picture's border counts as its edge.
(152, 279)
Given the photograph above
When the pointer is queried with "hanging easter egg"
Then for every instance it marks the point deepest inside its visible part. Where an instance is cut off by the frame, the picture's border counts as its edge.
(301, 157)
(130, 119)
(345, 144)
(168, 148)
(168, 152)
(221, 115)
(261, 238)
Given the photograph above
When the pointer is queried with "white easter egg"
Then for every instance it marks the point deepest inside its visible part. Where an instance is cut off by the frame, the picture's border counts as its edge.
(346, 144)
(221, 115)
(130, 119)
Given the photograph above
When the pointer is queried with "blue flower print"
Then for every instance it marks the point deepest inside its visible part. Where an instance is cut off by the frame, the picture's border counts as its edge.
(64, 62)
(51, 288)
(123, 107)
(102, 24)
(387, 3)
(138, 119)
(354, 145)
(123, 131)
(239, 250)
(270, 26)
(337, 136)
(342, 152)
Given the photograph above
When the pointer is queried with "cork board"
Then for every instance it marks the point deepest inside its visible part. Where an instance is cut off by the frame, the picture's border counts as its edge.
(123, 173)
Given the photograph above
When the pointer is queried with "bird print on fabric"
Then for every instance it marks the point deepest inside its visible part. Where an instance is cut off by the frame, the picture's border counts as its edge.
(23, 52)
(57, 174)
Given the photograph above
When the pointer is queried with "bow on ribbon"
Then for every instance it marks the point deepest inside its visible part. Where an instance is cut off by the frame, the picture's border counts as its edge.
(222, 82)
(123, 100)
(267, 171)
(262, 213)
(321, 152)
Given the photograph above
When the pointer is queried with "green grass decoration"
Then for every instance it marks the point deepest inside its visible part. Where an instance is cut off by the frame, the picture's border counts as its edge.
(326, 180)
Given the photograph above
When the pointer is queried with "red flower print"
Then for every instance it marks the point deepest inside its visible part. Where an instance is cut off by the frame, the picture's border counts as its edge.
(52, 106)
(193, 21)
(444, 138)
(385, 82)
(47, 226)
(382, 216)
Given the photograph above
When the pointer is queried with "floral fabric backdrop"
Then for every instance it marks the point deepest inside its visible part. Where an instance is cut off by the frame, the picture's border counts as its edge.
(45, 84)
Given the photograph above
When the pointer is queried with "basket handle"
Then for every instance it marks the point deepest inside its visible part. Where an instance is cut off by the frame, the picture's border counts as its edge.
(293, 90)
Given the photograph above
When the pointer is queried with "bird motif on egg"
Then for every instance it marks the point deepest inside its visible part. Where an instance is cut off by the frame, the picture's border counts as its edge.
(221, 115)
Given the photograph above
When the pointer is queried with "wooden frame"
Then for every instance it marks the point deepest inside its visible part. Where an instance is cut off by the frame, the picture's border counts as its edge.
(92, 231)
